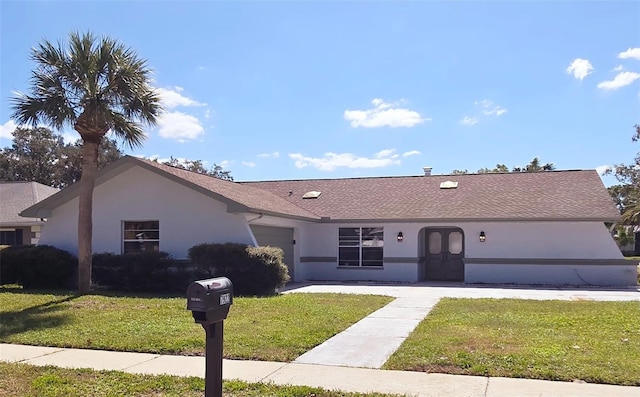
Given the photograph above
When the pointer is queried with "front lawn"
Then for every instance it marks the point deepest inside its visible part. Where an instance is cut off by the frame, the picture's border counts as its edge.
(278, 328)
(21, 380)
(595, 342)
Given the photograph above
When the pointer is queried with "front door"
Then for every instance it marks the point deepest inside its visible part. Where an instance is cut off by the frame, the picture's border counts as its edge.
(444, 253)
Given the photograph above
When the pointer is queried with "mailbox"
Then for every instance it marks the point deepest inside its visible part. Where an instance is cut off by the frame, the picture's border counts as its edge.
(209, 300)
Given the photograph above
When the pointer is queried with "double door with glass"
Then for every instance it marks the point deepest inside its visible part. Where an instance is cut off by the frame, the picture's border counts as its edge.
(444, 254)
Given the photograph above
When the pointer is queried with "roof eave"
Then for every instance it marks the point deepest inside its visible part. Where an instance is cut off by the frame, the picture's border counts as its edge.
(280, 215)
(463, 220)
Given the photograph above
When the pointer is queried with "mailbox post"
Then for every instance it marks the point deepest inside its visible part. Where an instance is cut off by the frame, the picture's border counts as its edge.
(209, 301)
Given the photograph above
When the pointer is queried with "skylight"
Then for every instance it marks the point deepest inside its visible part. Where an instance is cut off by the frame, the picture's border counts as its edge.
(448, 185)
(311, 195)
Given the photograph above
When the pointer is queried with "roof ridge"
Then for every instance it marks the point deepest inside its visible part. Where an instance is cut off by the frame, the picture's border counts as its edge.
(416, 176)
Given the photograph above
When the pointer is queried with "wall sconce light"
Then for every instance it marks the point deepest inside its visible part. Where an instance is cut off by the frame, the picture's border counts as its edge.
(400, 237)
(483, 237)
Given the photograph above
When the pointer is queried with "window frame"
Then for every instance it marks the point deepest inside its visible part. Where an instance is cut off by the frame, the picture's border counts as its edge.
(364, 242)
(141, 228)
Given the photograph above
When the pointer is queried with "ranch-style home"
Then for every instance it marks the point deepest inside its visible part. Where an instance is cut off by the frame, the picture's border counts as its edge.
(523, 228)
(14, 198)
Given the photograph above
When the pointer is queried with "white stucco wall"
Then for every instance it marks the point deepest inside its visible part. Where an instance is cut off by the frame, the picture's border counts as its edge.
(504, 240)
(186, 217)
(556, 274)
(570, 240)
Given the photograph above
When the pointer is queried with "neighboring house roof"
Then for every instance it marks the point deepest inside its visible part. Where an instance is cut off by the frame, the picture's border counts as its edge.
(538, 196)
(238, 197)
(17, 196)
(549, 195)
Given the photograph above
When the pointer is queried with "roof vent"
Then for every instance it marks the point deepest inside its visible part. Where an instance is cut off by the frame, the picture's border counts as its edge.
(448, 185)
(427, 171)
(311, 195)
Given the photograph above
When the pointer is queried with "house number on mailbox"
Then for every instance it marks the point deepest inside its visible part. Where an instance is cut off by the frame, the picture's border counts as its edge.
(225, 299)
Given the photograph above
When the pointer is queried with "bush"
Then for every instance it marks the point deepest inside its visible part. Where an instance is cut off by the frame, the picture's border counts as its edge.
(8, 268)
(252, 270)
(41, 266)
(142, 272)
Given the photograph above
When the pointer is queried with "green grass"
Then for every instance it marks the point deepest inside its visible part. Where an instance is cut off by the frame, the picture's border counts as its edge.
(21, 380)
(278, 328)
(596, 342)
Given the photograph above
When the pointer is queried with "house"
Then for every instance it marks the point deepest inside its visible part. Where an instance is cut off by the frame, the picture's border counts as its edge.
(526, 228)
(15, 197)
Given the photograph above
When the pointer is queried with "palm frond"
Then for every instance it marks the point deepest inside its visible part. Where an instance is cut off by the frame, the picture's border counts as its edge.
(131, 133)
(99, 79)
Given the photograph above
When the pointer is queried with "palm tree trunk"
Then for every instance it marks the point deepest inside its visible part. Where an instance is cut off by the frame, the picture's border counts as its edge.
(85, 213)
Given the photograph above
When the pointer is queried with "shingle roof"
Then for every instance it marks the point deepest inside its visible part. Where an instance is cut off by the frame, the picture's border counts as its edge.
(245, 195)
(16, 196)
(239, 197)
(551, 195)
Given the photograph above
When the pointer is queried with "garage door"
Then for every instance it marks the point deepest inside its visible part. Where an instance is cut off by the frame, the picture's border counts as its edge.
(281, 237)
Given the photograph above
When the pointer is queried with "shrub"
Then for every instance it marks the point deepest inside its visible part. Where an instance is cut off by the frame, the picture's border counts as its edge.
(252, 270)
(41, 266)
(8, 268)
(142, 272)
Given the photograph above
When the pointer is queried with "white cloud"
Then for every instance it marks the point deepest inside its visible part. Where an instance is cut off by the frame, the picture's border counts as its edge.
(603, 168)
(384, 115)
(70, 137)
(179, 126)
(332, 161)
(411, 153)
(633, 53)
(249, 164)
(386, 153)
(224, 163)
(6, 129)
(580, 68)
(273, 155)
(618, 68)
(469, 120)
(489, 108)
(622, 79)
(172, 98)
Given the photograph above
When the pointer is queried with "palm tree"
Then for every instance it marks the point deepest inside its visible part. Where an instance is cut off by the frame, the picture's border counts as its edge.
(96, 86)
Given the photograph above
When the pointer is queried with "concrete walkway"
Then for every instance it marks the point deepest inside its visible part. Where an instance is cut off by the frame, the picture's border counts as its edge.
(347, 361)
(371, 341)
(362, 380)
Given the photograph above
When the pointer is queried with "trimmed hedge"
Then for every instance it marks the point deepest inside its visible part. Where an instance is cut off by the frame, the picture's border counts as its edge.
(41, 266)
(252, 270)
(143, 272)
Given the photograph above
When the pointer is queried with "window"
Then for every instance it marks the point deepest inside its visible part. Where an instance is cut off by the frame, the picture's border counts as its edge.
(11, 237)
(360, 246)
(141, 236)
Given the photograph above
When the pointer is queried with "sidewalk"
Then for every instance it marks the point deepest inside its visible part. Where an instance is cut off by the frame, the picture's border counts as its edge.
(329, 377)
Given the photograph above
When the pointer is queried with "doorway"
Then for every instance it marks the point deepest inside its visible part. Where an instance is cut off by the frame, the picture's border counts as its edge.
(443, 253)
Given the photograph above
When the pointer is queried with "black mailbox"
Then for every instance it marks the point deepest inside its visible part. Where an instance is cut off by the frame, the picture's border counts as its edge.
(209, 300)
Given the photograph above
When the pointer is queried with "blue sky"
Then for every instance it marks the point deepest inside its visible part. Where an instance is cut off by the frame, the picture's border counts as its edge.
(302, 89)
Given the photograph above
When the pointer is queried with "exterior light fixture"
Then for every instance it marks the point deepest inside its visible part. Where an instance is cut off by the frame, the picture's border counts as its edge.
(483, 237)
(400, 237)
